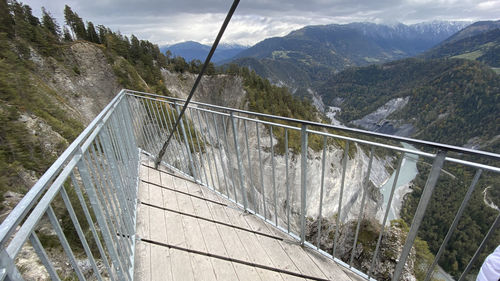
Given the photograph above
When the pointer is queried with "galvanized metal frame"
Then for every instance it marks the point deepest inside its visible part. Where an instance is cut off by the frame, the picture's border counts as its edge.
(263, 211)
(104, 160)
(109, 147)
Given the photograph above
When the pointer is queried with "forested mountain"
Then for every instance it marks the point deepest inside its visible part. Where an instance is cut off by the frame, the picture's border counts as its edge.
(480, 41)
(450, 101)
(191, 50)
(453, 101)
(310, 55)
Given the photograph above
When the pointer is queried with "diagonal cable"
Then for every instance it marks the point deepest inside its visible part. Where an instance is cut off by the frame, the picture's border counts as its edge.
(198, 79)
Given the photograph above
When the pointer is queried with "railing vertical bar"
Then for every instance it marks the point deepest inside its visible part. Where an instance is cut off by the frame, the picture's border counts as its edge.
(303, 183)
(130, 153)
(366, 182)
(9, 270)
(108, 207)
(188, 149)
(98, 212)
(211, 141)
(230, 164)
(79, 232)
(240, 164)
(261, 172)
(144, 123)
(386, 215)
(155, 143)
(37, 245)
(203, 137)
(67, 249)
(220, 146)
(121, 202)
(196, 156)
(287, 183)
(99, 182)
(110, 138)
(129, 128)
(110, 192)
(419, 213)
(141, 121)
(454, 223)
(167, 130)
(481, 246)
(342, 184)
(129, 183)
(177, 137)
(250, 176)
(198, 139)
(90, 222)
(140, 137)
(274, 176)
(154, 125)
(321, 192)
(158, 118)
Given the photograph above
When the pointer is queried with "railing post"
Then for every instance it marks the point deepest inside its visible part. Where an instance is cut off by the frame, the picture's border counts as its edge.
(183, 130)
(240, 166)
(419, 213)
(8, 267)
(303, 176)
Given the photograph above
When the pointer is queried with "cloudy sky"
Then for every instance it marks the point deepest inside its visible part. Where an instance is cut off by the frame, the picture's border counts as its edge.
(171, 21)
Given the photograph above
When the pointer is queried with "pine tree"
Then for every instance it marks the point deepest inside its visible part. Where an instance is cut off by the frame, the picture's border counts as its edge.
(50, 23)
(75, 23)
(6, 21)
(91, 33)
(67, 35)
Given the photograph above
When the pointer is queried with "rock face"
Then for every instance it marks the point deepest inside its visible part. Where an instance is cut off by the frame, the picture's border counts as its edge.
(83, 79)
(257, 189)
(391, 245)
(376, 121)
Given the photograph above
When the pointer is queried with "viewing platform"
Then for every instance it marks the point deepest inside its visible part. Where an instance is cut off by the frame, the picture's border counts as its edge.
(187, 232)
(238, 195)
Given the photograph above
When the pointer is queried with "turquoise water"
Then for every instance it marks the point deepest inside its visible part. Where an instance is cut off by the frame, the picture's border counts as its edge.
(407, 174)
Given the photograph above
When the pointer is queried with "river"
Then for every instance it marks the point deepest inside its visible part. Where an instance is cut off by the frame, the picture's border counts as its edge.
(406, 175)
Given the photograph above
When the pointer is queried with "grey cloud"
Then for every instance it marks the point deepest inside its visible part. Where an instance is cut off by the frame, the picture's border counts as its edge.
(168, 21)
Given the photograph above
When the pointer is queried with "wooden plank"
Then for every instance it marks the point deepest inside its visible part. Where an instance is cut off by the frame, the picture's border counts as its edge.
(328, 266)
(267, 253)
(204, 267)
(180, 261)
(161, 268)
(295, 251)
(232, 243)
(214, 244)
(142, 250)
(251, 247)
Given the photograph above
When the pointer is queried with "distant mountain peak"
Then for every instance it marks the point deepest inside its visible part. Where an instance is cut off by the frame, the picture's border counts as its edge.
(191, 50)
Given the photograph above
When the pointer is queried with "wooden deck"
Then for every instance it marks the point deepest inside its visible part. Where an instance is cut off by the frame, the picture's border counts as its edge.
(187, 232)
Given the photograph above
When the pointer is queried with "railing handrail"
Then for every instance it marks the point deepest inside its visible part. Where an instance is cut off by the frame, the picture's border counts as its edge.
(22, 208)
(436, 145)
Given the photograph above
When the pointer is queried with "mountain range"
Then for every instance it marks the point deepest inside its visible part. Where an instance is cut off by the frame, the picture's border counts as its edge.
(312, 54)
(191, 50)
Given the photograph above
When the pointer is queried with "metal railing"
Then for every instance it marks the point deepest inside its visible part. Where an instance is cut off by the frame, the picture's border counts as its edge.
(234, 152)
(96, 178)
(256, 160)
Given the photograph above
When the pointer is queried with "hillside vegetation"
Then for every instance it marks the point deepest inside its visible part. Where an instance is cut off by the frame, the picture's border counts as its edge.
(311, 55)
(480, 41)
(451, 101)
(47, 79)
